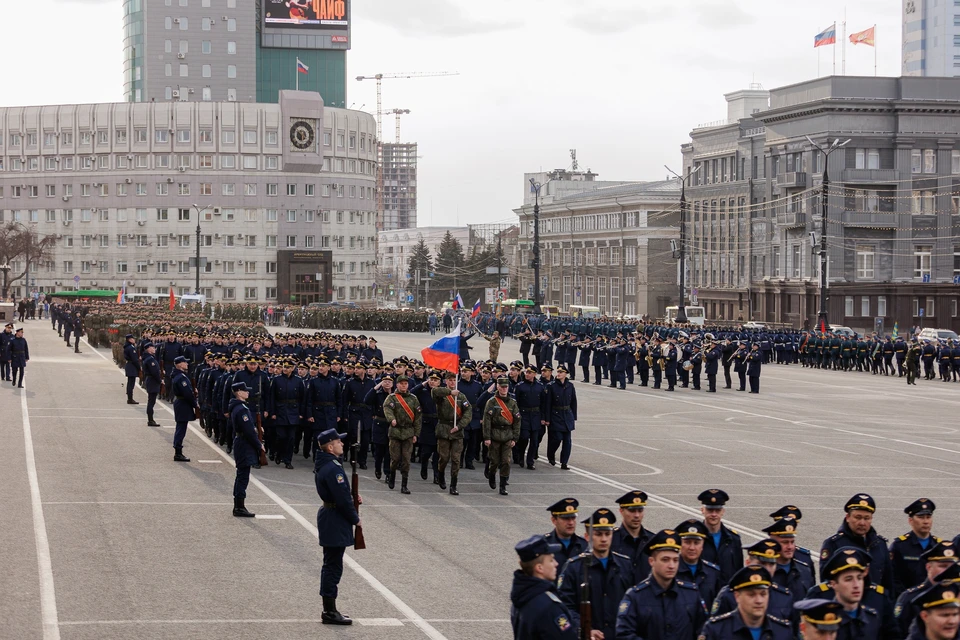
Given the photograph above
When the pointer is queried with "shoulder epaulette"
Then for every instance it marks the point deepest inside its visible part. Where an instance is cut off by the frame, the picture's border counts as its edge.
(780, 587)
(870, 610)
(625, 557)
(734, 531)
(903, 537)
(878, 588)
(722, 616)
(554, 597)
(880, 537)
(805, 550)
(640, 586)
(801, 562)
(711, 565)
(686, 585)
(824, 586)
(781, 620)
(836, 535)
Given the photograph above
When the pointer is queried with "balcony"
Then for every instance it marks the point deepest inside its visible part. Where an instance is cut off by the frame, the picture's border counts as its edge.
(792, 179)
(868, 176)
(792, 219)
(867, 219)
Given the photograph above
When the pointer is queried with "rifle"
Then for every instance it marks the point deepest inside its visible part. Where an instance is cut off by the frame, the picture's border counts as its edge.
(586, 610)
(358, 542)
(263, 454)
(196, 408)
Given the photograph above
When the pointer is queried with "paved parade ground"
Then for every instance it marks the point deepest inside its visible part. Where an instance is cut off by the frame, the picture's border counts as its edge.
(106, 537)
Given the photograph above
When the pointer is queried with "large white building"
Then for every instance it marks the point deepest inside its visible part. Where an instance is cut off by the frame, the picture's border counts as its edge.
(931, 38)
(284, 195)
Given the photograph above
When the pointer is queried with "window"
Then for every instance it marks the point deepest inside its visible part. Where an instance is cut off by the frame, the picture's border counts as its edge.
(250, 266)
(205, 24)
(206, 162)
(231, 48)
(955, 162)
(271, 267)
(183, 240)
(929, 161)
(184, 24)
(250, 241)
(291, 215)
(205, 47)
(228, 162)
(930, 310)
(229, 293)
(205, 71)
(249, 162)
(271, 189)
(291, 189)
(231, 24)
(271, 215)
(250, 293)
(291, 242)
(271, 241)
(183, 188)
(249, 189)
(206, 189)
(866, 258)
(231, 71)
(163, 215)
(308, 242)
(229, 266)
(923, 202)
(250, 215)
(163, 188)
(229, 189)
(228, 241)
(873, 158)
(922, 256)
(183, 215)
(249, 136)
(272, 138)
(797, 261)
(865, 306)
(881, 306)
(161, 135)
(848, 306)
(916, 161)
(272, 162)
(228, 136)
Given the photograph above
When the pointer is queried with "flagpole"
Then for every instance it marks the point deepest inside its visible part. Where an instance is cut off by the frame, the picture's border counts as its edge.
(298, 74)
(874, 50)
(834, 48)
(843, 58)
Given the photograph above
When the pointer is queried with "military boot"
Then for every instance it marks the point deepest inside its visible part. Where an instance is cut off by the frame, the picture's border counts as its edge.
(178, 456)
(491, 473)
(403, 485)
(240, 511)
(441, 480)
(330, 614)
(453, 485)
(392, 479)
(503, 486)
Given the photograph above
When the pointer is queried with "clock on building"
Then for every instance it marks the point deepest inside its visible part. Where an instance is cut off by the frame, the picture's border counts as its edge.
(302, 135)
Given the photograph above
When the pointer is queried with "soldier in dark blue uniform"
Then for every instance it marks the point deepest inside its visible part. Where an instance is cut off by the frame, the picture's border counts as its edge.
(356, 413)
(693, 568)
(427, 441)
(5, 337)
(750, 620)
(940, 563)
(801, 553)
(723, 546)
(323, 405)
(563, 515)
(287, 405)
(630, 538)
(661, 606)
(19, 356)
(819, 619)
(561, 412)
(792, 572)
(905, 550)
(246, 446)
(712, 354)
(857, 531)
(763, 553)
(381, 426)
(754, 360)
(152, 380)
(132, 366)
(939, 617)
(531, 399)
(607, 573)
(335, 520)
(845, 572)
(536, 610)
(185, 405)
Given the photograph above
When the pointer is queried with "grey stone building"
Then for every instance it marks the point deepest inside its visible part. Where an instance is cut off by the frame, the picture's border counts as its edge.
(285, 195)
(892, 205)
(607, 247)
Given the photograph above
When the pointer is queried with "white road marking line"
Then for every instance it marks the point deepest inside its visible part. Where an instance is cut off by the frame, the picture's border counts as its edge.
(270, 516)
(154, 504)
(637, 444)
(654, 471)
(908, 453)
(379, 622)
(834, 449)
(48, 594)
(752, 475)
(428, 630)
(210, 461)
(89, 417)
(231, 621)
(763, 446)
(696, 444)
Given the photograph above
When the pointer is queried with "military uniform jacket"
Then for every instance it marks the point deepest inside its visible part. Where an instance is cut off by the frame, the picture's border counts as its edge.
(496, 426)
(132, 367)
(632, 548)
(728, 556)
(5, 338)
(707, 578)
(351, 398)
(428, 434)
(287, 400)
(797, 576)
(446, 414)
(730, 626)
(561, 405)
(258, 381)
(874, 544)
(780, 603)
(905, 611)
(537, 612)
(874, 596)
(407, 427)
(607, 588)
(712, 358)
(867, 625)
(908, 569)
(376, 399)
(648, 612)
(152, 375)
(184, 400)
(246, 444)
(323, 402)
(336, 516)
(577, 546)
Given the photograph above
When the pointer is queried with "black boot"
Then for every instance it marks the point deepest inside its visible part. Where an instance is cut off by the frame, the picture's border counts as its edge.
(377, 473)
(179, 457)
(240, 511)
(130, 400)
(503, 486)
(453, 486)
(151, 422)
(436, 480)
(441, 480)
(492, 476)
(423, 472)
(330, 614)
(403, 485)
(392, 479)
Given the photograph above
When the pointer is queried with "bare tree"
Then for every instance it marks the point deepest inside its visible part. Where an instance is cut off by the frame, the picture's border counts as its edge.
(21, 243)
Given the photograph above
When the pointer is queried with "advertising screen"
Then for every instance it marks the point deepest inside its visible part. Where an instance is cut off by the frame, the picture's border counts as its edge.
(306, 14)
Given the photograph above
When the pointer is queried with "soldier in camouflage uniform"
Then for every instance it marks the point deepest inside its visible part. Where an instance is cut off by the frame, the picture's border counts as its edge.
(404, 415)
(454, 414)
(501, 430)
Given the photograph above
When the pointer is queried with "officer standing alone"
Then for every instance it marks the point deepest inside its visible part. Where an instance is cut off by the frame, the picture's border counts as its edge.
(246, 446)
(185, 405)
(132, 367)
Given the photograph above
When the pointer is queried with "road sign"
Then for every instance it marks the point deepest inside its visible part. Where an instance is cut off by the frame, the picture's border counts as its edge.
(409, 298)
(921, 312)
(76, 278)
(956, 279)
(926, 278)
(503, 283)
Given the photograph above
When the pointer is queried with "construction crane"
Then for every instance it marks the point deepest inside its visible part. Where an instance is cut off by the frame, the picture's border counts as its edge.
(398, 113)
(380, 77)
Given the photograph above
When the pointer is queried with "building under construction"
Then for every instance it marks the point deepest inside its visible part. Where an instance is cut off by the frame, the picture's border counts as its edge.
(399, 186)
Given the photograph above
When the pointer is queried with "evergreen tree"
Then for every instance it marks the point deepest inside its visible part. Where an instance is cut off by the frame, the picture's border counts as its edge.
(420, 260)
(450, 269)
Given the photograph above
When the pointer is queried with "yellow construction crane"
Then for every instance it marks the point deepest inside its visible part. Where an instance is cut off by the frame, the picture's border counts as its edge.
(398, 113)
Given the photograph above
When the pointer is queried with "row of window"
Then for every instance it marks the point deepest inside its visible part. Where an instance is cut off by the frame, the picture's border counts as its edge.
(587, 222)
(599, 256)
(164, 267)
(184, 189)
(206, 24)
(594, 291)
(184, 214)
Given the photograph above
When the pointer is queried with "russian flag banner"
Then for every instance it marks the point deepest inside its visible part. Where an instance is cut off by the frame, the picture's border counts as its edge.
(445, 352)
(476, 309)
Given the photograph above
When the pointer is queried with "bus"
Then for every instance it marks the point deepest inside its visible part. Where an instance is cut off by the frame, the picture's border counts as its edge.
(695, 315)
(517, 306)
(581, 311)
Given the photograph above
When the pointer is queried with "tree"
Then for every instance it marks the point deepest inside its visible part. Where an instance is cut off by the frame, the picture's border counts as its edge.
(476, 278)
(20, 246)
(421, 261)
(450, 272)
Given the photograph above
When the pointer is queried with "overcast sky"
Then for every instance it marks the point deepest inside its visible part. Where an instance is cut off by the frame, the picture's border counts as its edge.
(621, 81)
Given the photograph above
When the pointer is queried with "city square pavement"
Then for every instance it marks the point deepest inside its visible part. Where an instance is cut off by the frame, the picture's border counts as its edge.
(106, 537)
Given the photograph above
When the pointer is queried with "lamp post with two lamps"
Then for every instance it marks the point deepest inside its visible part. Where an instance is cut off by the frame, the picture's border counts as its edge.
(536, 187)
(199, 216)
(682, 305)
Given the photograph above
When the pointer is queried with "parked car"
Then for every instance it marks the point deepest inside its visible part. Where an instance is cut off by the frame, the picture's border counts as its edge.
(937, 334)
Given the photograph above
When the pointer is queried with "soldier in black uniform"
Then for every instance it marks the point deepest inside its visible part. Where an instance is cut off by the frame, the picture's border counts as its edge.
(723, 545)
(661, 606)
(845, 571)
(152, 380)
(792, 572)
(857, 531)
(693, 568)
(939, 617)
(750, 620)
(132, 367)
(536, 610)
(630, 538)
(607, 573)
(763, 553)
(940, 563)
(819, 618)
(335, 520)
(905, 550)
(563, 515)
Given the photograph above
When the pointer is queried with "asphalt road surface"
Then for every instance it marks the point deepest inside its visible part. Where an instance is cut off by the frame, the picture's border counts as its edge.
(106, 537)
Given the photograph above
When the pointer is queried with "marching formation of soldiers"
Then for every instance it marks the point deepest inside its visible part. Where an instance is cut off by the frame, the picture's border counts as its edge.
(697, 581)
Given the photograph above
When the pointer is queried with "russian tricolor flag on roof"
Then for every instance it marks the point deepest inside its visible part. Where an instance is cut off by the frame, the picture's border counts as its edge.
(445, 352)
(302, 68)
(825, 37)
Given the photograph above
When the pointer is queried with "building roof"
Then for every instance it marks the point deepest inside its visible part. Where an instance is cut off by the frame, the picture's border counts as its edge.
(658, 188)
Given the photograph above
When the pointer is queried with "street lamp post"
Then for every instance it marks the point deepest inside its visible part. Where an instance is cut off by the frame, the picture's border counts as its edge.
(536, 186)
(822, 319)
(199, 215)
(5, 268)
(682, 306)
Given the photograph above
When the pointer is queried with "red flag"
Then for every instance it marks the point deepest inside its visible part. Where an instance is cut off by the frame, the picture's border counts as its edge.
(173, 300)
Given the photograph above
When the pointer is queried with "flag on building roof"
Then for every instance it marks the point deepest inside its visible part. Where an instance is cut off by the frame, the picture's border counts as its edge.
(825, 37)
(302, 68)
(864, 37)
(445, 352)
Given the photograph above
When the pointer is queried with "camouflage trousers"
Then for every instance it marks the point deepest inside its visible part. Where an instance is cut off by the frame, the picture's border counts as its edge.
(400, 451)
(449, 450)
(500, 455)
